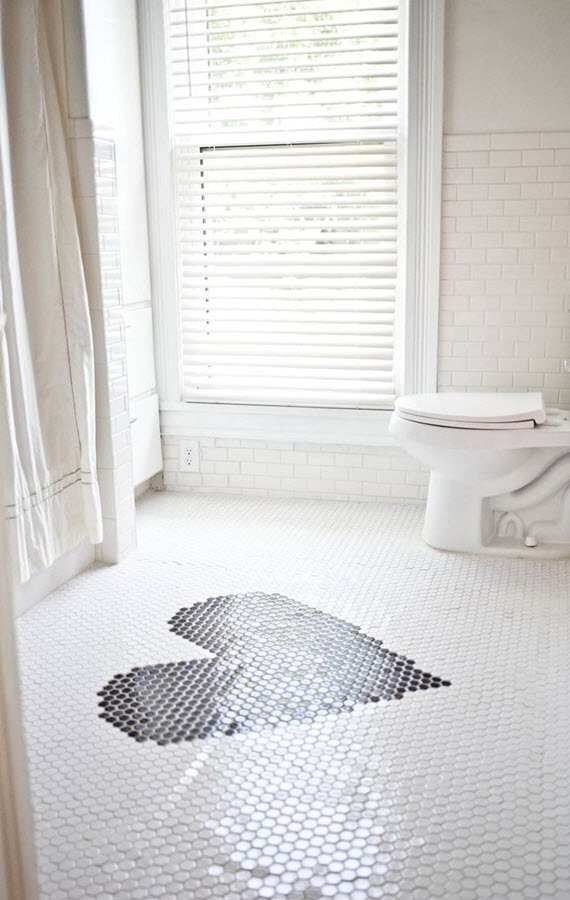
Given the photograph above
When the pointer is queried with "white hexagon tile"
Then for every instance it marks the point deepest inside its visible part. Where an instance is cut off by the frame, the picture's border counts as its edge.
(290, 698)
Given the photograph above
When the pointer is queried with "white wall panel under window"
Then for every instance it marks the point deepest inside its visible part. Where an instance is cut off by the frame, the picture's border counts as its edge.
(284, 131)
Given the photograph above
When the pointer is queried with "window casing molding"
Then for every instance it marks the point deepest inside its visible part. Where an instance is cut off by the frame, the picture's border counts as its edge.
(420, 153)
(316, 425)
(420, 150)
(160, 199)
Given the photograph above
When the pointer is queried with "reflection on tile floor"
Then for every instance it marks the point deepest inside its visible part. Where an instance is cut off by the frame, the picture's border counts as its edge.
(460, 793)
(275, 662)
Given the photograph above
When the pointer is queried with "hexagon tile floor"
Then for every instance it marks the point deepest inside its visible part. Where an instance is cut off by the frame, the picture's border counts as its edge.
(246, 708)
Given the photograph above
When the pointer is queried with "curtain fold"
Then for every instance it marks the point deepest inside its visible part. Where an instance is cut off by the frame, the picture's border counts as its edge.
(47, 398)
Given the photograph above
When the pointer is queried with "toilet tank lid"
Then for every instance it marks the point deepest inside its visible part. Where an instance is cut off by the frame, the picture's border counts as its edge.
(475, 407)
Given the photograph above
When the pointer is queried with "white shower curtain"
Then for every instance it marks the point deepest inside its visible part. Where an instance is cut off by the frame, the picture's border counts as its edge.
(47, 407)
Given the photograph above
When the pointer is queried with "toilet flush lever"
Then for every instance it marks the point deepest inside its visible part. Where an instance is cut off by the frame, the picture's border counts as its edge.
(556, 416)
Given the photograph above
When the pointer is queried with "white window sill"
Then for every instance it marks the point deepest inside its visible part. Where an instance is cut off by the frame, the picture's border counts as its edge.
(277, 423)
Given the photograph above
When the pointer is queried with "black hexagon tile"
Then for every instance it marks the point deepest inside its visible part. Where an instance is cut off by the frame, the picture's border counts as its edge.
(276, 661)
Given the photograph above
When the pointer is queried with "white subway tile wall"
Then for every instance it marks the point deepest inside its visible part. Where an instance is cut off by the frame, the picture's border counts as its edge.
(277, 469)
(505, 266)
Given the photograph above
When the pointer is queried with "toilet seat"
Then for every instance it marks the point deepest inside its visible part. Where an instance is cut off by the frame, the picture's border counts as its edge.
(491, 411)
(488, 426)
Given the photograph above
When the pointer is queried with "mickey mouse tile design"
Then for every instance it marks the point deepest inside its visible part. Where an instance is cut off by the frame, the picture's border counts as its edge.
(276, 662)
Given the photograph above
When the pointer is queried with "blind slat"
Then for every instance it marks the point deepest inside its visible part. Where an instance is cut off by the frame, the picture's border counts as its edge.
(317, 300)
(270, 293)
(179, 7)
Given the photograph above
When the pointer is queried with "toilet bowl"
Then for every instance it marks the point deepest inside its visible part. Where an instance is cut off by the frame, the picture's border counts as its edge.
(499, 471)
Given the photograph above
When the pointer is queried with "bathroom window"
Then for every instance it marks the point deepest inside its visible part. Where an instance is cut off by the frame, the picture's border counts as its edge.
(293, 169)
(283, 121)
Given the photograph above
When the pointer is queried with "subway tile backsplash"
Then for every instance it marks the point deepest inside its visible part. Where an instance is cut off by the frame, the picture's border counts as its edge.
(278, 469)
(505, 268)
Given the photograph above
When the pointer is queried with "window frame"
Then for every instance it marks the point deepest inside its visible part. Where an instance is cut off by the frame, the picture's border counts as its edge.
(419, 210)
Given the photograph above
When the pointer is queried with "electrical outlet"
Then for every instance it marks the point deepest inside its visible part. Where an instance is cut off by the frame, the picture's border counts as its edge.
(189, 459)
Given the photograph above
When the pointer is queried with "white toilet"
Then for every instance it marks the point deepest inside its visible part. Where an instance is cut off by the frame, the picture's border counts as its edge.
(499, 471)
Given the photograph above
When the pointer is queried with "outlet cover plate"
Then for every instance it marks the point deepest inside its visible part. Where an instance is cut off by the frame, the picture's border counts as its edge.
(189, 456)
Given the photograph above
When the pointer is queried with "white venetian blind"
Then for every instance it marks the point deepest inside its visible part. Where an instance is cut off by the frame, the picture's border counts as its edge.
(284, 131)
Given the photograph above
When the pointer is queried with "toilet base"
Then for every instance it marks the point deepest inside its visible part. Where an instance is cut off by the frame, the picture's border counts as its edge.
(512, 548)
(460, 520)
(457, 516)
